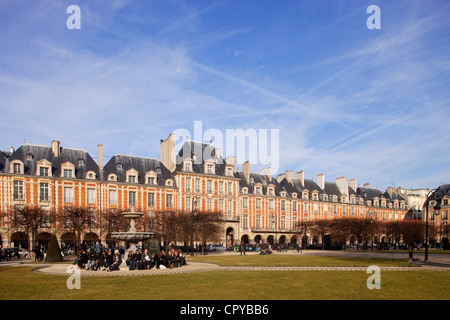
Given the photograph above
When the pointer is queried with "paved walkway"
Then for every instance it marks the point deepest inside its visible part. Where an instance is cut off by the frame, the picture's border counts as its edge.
(440, 262)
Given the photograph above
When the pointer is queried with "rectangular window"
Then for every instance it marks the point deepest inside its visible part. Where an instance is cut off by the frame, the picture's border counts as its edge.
(221, 205)
(209, 204)
(344, 210)
(305, 207)
(132, 179)
(91, 196)
(294, 206)
(230, 208)
(151, 180)
(271, 204)
(230, 188)
(353, 211)
(209, 186)
(18, 190)
(112, 197)
(188, 184)
(151, 199)
(43, 191)
(169, 200)
(245, 221)
(258, 221)
(16, 168)
(188, 204)
(271, 222)
(131, 198)
(197, 185)
(43, 171)
(335, 212)
(245, 203)
(220, 187)
(258, 203)
(68, 194)
(316, 208)
(67, 173)
(283, 205)
(283, 222)
(325, 209)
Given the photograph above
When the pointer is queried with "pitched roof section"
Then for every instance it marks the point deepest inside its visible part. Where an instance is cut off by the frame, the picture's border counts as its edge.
(30, 154)
(120, 164)
(199, 153)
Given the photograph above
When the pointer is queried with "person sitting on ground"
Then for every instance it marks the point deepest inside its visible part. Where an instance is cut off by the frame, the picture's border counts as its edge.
(117, 261)
(109, 257)
(81, 260)
(91, 261)
(146, 260)
(131, 261)
(138, 259)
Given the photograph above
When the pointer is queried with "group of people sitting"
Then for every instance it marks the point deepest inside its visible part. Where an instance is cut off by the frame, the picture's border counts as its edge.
(106, 260)
(143, 261)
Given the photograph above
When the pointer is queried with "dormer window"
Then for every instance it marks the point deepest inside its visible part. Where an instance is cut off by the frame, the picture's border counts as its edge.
(158, 170)
(305, 195)
(209, 169)
(188, 165)
(43, 171)
(29, 156)
(245, 190)
(67, 173)
(17, 168)
(119, 166)
(169, 183)
(90, 175)
(132, 176)
(112, 177)
(44, 168)
(81, 163)
(151, 180)
(67, 170)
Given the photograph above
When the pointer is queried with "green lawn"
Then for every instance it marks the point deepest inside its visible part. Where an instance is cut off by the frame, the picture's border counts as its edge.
(297, 260)
(20, 283)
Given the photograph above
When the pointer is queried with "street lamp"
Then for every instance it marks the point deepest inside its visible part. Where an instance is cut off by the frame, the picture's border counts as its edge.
(437, 196)
(193, 211)
(369, 219)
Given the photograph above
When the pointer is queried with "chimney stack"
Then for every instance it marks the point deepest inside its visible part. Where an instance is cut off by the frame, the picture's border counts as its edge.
(168, 152)
(246, 170)
(56, 148)
(321, 181)
(267, 172)
(100, 156)
(342, 184)
(353, 184)
(289, 177)
(300, 176)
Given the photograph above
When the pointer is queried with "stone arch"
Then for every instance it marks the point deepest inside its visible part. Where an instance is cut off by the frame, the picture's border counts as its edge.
(19, 239)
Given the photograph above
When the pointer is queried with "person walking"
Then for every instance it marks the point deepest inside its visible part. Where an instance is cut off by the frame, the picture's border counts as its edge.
(242, 248)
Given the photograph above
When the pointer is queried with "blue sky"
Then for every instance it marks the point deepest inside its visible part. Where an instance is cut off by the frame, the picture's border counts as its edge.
(348, 101)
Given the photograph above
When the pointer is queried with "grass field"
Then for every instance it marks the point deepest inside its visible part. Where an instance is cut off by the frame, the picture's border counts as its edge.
(20, 283)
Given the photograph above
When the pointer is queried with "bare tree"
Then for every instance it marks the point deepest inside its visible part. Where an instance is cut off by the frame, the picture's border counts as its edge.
(208, 227)
(76, 219)
(321, 228)
(30, 218)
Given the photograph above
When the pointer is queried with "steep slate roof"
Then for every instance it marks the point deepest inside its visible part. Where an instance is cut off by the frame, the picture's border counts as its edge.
(39, 152)
(141, 165)
(331, 188)
(4, 155)
(199, 152)
(298, 187)
(256, 178)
